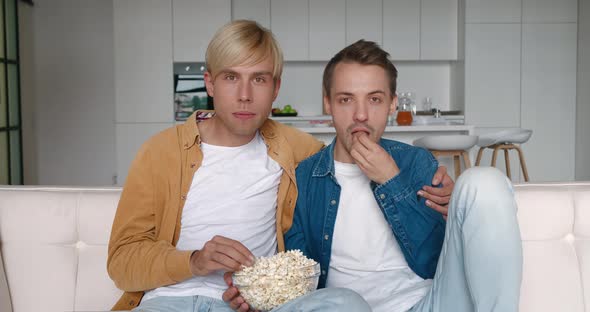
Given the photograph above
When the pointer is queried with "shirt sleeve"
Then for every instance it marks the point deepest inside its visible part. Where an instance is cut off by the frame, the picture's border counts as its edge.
(137, 261)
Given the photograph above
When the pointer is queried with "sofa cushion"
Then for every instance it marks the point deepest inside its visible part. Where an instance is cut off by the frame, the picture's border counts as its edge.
(55, 246)
(554, 223)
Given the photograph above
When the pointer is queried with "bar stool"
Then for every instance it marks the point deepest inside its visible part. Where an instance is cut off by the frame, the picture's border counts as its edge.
(505, 140)
(456, 146)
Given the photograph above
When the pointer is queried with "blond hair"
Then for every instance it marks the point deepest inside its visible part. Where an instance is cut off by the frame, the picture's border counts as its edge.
(243, 42)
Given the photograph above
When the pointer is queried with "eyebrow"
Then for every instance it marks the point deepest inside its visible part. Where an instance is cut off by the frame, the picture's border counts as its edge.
(370, 93)
(233, 72)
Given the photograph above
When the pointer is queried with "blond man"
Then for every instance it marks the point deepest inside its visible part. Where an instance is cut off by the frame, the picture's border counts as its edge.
(208, 196)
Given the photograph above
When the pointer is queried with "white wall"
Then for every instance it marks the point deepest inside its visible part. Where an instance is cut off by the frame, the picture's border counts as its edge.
(74, 91)
(583, 96)
(302, 85)
(27, 90)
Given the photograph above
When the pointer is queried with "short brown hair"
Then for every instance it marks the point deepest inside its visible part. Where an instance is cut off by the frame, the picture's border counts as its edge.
(364, 53)
(243, 42)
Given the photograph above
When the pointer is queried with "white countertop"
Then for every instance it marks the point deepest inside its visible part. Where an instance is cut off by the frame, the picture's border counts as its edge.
(397, 129)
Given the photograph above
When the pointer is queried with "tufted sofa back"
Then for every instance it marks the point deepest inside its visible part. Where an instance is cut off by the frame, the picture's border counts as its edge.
(554, 223)
(53, 241)
(54, 244)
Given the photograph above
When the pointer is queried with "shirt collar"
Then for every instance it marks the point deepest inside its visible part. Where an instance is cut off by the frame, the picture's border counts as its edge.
(191, 135)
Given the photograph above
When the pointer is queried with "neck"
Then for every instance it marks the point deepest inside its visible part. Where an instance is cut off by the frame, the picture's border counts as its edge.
(214, 132)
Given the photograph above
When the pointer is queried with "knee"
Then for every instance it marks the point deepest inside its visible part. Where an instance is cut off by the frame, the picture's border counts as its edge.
(488, 179)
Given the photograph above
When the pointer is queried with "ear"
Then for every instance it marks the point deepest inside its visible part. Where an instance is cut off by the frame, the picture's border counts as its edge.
(393, 105)
(327, 107)
(277, 87)
(209, 83)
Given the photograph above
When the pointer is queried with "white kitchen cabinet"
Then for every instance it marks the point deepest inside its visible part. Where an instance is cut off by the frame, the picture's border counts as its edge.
(439, 29)
(143, 60)
(290, 24)
(130, 137)
(549, 11)
(497, 11)
(364, 20)
(195, 22)
(401, 29)
(549, 99)
(256, 10)
(492, 75)
(327, 25)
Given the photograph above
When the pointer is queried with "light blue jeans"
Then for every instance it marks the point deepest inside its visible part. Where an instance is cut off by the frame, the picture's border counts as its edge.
(333, 299)
(480, 266)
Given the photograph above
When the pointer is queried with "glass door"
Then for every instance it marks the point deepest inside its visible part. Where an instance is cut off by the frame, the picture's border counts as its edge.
(11, 169)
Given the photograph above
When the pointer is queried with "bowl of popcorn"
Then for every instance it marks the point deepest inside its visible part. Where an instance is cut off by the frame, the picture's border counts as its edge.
(275, 280)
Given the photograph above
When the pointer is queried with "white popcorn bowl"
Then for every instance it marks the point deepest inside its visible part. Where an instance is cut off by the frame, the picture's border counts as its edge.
(266, 292)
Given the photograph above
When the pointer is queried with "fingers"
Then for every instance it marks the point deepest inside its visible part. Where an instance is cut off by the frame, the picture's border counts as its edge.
(230, 294)
(227, 277)
(220, 253)
(434, 194)
(439, 174)
(244, 255)
(444, 210)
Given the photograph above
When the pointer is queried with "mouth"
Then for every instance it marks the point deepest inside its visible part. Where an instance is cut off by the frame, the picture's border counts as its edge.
(358, 130)
(244, 115)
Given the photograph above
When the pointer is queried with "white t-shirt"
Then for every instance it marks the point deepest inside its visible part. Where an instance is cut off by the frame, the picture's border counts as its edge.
(233, 194)
(365, 255)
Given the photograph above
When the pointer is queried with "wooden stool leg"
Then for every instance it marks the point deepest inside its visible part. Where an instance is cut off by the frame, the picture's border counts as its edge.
(466, 160)
(457, 166)
(522, 163)
(507, 161)
(479, 154)
(495, 155)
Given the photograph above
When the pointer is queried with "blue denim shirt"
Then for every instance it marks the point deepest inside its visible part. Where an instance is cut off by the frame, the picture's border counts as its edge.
(418, 229)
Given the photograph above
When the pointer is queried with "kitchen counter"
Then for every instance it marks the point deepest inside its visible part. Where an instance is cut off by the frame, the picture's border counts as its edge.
(467, 129)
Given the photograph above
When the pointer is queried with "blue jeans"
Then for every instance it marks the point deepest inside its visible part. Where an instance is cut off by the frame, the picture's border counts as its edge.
(333, 299)
(480, 266)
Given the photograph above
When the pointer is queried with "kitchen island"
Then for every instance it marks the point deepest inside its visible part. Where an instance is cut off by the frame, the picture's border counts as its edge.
(406, 134)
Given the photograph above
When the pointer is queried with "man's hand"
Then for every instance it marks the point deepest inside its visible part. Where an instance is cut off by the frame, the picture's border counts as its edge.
(438, 198)
(232, 295)
(373, 160)
(220, 253)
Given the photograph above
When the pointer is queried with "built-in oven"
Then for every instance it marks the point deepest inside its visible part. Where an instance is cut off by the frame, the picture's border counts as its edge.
(190, 93)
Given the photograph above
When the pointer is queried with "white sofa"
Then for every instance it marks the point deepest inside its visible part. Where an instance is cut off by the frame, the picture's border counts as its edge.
(54, 245)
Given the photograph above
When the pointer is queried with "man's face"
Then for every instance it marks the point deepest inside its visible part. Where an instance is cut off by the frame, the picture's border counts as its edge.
(243, 98)
(359, 102)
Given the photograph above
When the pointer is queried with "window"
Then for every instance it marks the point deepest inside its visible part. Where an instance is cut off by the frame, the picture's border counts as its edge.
(11, 169)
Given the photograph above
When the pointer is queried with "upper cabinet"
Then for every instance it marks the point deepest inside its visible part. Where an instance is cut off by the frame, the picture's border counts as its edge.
(421, 30)
(256, 10)
(549, 11)
(497, 11)
(364, 20)
(194, 24)
(289, 23)
(327, 25)
(401, 29)
(439, 27)
(317, 29)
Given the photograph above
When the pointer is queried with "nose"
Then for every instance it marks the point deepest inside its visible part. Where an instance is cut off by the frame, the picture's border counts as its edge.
(361, 112)
(245, 92)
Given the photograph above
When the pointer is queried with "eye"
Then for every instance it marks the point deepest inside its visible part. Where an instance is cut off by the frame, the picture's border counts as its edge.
(230, 77)
(376, 99)
(345, 100)
(260, 79)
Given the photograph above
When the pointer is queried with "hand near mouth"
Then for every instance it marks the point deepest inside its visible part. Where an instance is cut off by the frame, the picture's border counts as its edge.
(373, 160)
